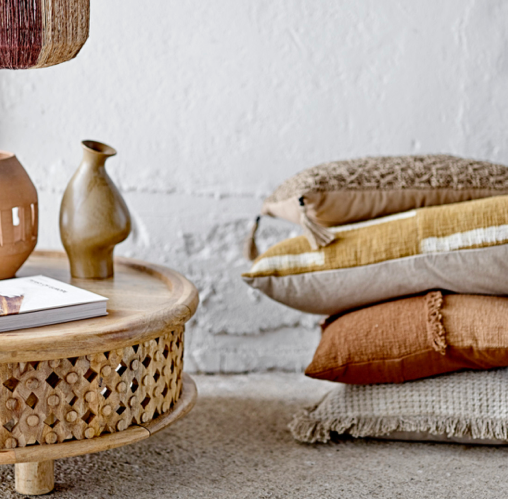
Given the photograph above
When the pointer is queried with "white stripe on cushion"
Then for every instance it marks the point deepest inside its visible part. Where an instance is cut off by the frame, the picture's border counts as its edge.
(289, 262)
(376, 221)
(489, 235)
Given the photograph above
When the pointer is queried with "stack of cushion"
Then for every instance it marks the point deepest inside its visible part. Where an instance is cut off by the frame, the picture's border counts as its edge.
(410, 294)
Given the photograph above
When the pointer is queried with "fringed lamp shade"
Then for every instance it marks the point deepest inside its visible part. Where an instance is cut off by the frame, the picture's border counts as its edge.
(41, 33)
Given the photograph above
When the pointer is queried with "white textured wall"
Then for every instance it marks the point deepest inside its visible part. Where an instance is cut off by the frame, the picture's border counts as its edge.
(211, 104)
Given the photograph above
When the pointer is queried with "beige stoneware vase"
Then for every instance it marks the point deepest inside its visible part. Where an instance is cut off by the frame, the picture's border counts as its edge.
(18, 215)
(93, 215)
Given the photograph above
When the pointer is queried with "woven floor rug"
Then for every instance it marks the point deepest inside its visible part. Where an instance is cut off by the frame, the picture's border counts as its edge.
(466, 407)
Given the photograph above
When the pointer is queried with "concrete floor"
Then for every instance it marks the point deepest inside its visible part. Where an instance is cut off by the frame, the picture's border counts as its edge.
(235, 444)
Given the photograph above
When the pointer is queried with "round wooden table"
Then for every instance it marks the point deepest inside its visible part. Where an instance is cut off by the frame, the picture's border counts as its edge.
(95, 384)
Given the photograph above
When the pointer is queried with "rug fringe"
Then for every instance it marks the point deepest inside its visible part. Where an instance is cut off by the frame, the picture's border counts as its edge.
(305, 428)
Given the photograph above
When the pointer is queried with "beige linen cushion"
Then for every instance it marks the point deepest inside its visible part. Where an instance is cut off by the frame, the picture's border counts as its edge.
(466, 407)
(458, 247)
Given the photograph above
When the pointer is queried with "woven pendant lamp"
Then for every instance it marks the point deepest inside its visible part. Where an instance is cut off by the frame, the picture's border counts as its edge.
(42, 33)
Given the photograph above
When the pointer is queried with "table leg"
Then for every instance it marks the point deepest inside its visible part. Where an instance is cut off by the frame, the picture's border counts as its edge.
(35, 479)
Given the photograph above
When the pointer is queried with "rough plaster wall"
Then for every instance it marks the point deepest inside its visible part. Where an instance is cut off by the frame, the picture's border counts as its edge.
(212, 104)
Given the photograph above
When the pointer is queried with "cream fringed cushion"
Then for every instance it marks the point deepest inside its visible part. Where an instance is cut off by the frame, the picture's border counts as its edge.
(349, 191)
(458, 247)
(461, 407)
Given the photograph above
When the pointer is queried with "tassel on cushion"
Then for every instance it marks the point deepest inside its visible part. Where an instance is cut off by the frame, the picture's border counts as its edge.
(318, 236)
(250, 249)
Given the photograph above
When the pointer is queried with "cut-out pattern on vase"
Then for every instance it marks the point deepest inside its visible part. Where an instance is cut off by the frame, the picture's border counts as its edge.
(18, 215)
(93, 217)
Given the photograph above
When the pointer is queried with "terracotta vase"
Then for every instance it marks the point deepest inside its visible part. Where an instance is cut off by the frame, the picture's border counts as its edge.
(93, 215)
(18, 215)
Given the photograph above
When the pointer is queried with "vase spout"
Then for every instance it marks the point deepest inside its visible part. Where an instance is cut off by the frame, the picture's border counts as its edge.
(96, 152)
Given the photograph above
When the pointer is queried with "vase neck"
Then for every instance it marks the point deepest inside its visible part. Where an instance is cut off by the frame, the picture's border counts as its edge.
(93, 161)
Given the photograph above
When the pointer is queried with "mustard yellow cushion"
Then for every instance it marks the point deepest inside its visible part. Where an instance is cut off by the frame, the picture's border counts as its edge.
(458, 247)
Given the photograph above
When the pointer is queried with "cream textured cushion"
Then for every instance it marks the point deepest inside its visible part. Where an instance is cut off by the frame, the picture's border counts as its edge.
(458, 247)
(350, 191)
(461, 407)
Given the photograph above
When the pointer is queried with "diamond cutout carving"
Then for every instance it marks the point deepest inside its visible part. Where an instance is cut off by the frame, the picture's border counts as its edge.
(10, 425)
(107, 430)
(130, 382)
(106, 393)
(32, 400)
(134, 385)
(11, 384)
(88, 417)
(90, 375)
(51, 421)
(121, 368)
(52, 380)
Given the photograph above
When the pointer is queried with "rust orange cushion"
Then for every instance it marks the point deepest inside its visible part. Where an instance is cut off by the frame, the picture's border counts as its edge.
(413, 338)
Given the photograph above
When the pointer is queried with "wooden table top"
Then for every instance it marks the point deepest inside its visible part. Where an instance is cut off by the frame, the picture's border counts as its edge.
(144, 299)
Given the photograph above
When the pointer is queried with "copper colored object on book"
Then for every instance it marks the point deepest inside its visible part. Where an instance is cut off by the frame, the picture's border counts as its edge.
(42, 33)
(18, 215)
(10, 305)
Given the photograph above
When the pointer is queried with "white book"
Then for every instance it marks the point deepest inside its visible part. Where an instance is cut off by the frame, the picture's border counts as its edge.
(36, 301)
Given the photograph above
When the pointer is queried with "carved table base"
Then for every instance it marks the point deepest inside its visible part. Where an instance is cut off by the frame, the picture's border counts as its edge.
(86, 386)
(34, 464)
(79, 405)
